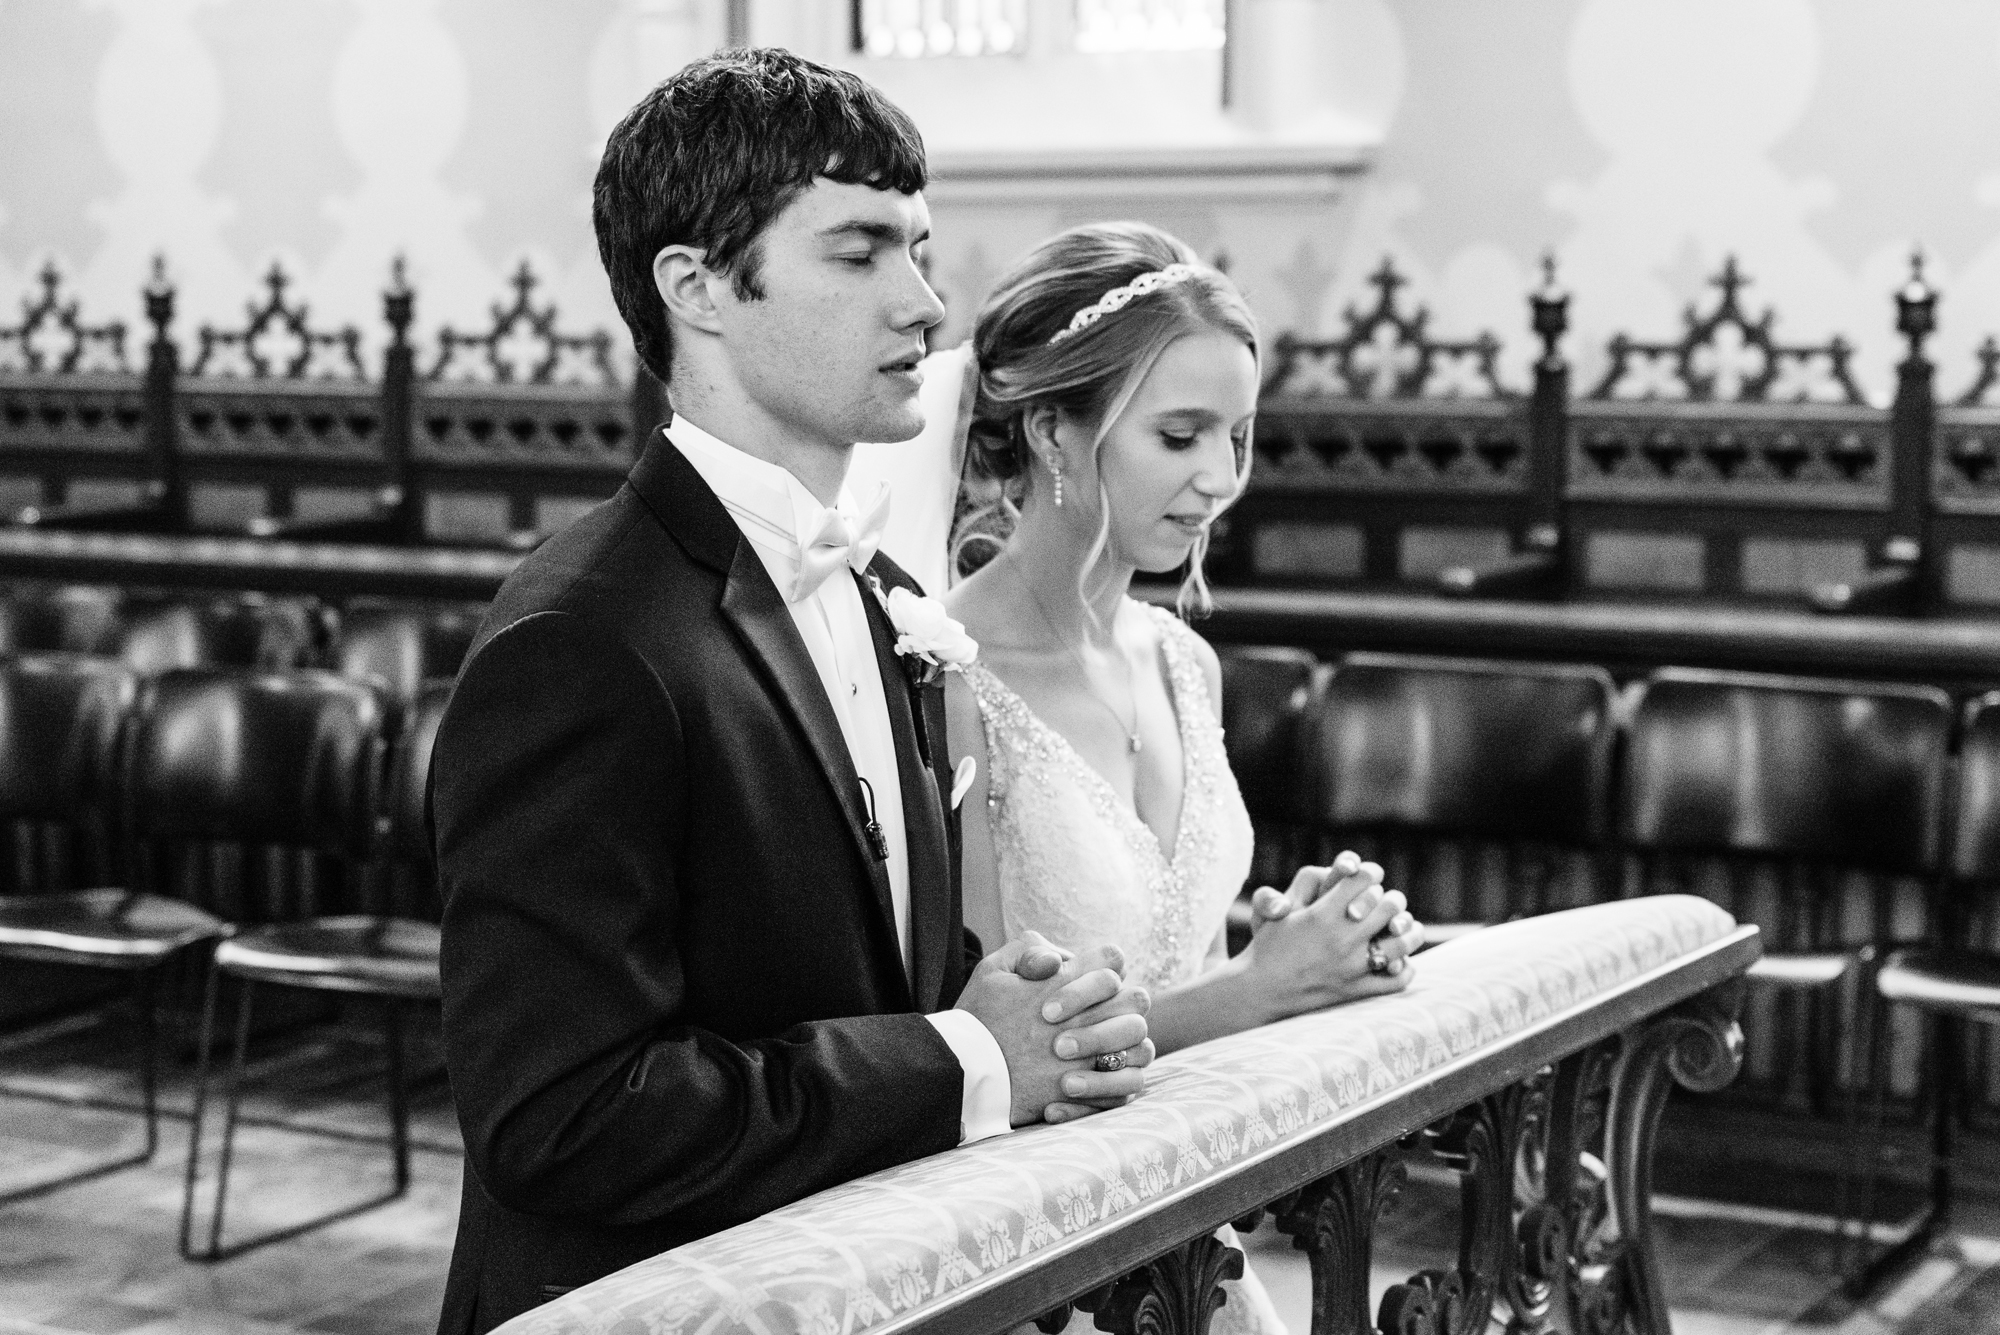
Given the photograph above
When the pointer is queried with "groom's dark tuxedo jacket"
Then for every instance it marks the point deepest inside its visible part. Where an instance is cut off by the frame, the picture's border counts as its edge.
(673, 994)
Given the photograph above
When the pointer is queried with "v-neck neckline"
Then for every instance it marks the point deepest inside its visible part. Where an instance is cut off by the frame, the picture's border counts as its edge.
(1166, 856)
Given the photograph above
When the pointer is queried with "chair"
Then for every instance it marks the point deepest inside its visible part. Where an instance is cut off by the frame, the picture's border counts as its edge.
(1265, 692)
(247, 630)
(404, 645)
(72, 618)
(60, 721)
(1950, 981)
(1807, 776)
(390, 960)
(1409, 747)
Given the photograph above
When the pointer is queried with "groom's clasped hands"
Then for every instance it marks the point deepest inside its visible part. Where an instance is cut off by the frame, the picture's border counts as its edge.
(1054, 1015)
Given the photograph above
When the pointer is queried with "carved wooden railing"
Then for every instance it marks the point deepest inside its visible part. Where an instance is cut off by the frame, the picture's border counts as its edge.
(1534, 1059)
(1384, 454)
(274, 427)
(1721, 461)
(75, 410)
(1724, 465)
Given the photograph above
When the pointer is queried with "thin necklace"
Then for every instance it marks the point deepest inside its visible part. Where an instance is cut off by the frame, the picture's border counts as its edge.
(1083, 669)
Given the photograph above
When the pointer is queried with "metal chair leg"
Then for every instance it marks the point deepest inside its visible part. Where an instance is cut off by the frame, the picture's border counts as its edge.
(1869, 1075)
(142, 997)
(1938, 1210)
(145, 991)
(399, 1138)
(192, 1176)
(399, 1098)
(232, 1089)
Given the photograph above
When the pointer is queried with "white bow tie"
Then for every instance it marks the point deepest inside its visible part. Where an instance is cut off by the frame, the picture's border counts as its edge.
(837, 537)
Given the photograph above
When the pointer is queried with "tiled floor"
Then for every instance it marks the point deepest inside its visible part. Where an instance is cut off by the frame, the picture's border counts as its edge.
(99, 1258)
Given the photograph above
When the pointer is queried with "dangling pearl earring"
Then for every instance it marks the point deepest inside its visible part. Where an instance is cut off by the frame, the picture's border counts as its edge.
(1057, 470)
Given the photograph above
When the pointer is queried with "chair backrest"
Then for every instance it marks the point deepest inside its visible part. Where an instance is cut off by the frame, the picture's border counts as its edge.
(404, 646)
(406, 835)
(71, 618)
(154, 635)
(256, 630)
(59, 721)
(277, 759)
(1831, 772)
(247, 630)
(1462, 748)
(1265, 692)
(1974, 854)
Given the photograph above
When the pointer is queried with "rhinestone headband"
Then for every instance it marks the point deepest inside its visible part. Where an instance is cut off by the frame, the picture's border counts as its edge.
(1120, 297)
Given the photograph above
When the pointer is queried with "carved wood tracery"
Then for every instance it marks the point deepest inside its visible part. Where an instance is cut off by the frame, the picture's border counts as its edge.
(1555, 1181)
(1177, 1294)
(1726, 355)
(524, 345)
(278, 340)
(1333, 1222)
(1386, 353)
(52, 340)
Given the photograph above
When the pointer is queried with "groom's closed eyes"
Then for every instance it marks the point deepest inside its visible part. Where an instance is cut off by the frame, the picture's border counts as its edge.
(860, 241)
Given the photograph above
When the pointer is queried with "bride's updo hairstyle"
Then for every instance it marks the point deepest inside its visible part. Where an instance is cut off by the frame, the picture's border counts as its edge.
(1090, 374)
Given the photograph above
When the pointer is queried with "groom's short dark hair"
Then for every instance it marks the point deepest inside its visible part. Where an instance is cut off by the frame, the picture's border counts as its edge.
(713, 154)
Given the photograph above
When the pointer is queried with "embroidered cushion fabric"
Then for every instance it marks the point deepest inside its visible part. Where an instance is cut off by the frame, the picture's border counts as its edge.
(854, 1256)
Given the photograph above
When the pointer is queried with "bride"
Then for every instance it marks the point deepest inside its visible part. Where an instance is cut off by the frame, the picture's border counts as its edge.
(1116, 385)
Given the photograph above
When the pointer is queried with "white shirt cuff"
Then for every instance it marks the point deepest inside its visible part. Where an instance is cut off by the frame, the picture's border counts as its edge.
(988, 1099)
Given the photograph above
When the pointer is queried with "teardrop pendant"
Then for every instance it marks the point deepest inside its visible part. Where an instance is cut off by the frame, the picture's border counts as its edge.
(1133, 738)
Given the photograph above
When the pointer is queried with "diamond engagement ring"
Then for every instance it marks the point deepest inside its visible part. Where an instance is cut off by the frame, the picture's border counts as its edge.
(1377, 961)
(1110, 1061)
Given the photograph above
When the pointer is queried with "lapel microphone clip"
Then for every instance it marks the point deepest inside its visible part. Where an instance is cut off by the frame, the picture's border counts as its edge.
(878, 843)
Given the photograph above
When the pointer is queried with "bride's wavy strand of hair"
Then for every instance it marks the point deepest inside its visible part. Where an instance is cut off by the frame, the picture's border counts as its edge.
(1090, 375)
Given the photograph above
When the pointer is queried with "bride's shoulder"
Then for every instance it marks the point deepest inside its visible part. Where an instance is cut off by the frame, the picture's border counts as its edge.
(1188, 641)
(975, 603)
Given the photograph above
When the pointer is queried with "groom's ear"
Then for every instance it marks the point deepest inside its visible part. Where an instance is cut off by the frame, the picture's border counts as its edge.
(687, 287)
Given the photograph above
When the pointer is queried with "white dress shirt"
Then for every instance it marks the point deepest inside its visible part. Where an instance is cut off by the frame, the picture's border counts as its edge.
(777, 515)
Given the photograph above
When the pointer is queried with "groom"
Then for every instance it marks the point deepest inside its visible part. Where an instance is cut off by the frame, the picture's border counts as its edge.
(702, 946)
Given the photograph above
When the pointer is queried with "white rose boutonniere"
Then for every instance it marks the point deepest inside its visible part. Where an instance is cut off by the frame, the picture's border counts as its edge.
(929, 641)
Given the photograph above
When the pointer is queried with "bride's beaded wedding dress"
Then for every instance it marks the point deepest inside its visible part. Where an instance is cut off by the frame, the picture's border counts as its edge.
(1076, 863)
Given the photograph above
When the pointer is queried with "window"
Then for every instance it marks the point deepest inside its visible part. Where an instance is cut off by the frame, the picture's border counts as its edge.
(1149, 25)
(914, 28)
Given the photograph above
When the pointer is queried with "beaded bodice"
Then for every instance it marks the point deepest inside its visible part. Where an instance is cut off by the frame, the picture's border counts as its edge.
(1075, 861)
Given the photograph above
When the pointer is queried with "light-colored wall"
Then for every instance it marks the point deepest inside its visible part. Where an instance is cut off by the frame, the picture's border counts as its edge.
(1641, 139)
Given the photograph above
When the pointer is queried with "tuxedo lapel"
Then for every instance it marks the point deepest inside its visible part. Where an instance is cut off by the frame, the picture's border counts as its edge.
(923, 819)
(689, 510)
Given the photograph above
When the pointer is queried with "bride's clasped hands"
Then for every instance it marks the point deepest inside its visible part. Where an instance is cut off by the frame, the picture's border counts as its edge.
(1335, 935)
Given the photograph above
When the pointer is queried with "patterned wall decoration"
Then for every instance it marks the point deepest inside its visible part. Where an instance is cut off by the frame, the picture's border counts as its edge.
(1640, 140)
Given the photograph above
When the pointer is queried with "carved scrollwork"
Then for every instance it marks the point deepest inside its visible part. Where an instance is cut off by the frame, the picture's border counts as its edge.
(1432, 1302)
(524, 346)
(1442, 444)
(1727, 356)
(60, 415)
(277, 340)
(337, 421)
(1175, 1294)
(1556, 1186)
(1968, 455)
(1333, 1222)
(1386, 353)
(52, 339)
(1810, 452)
(1979, 393)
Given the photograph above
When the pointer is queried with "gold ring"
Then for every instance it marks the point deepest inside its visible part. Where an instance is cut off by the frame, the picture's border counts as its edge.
(1109, 1062)
(1377, 961)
